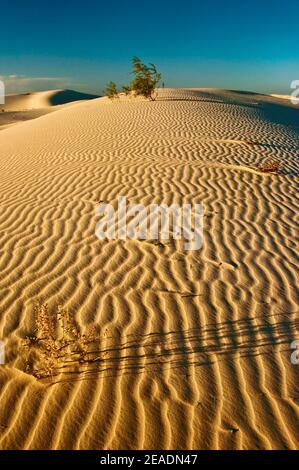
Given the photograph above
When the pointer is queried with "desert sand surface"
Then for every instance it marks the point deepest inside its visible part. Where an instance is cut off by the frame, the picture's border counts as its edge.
(190, 349)
(27, 106)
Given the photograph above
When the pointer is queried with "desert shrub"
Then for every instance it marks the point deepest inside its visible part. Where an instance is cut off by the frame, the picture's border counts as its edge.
(111, 90)
(146, 79)
(270, 165)
(57, 341)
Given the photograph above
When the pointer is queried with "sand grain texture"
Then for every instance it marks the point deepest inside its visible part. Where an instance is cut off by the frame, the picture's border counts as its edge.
(194, 347)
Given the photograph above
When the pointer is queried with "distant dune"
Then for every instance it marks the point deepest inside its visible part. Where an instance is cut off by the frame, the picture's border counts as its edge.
(193, 347)
(43, 99)
(27, 106)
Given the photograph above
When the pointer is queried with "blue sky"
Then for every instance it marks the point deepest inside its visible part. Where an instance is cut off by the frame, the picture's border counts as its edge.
(83, 44)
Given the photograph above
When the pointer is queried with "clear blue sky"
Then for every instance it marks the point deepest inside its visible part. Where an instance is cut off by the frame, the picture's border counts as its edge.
(252, 45)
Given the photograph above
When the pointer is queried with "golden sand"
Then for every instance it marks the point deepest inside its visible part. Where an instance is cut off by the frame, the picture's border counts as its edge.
(194, 346)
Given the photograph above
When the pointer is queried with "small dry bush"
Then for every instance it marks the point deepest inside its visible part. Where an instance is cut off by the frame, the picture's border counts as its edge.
(270, 165)
(146, 79)
(111, 90)
(58, 342)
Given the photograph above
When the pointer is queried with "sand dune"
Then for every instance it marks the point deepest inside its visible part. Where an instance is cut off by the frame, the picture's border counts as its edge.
(193, 347)
(43, 99)
(27, 106)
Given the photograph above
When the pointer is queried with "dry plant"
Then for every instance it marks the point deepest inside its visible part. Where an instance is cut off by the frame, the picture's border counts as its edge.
(111, 90)
(58, 342)
(146, 79)
(270, 165)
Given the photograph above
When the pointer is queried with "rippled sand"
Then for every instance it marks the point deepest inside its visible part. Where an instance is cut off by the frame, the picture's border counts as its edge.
(193, 347)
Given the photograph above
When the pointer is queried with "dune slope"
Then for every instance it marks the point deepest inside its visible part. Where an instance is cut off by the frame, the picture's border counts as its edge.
(27, 106)
(43, 99)
(193, 347)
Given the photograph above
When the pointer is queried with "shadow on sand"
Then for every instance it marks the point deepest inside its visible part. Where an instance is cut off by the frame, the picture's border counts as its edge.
(179, 349)
(67, 96)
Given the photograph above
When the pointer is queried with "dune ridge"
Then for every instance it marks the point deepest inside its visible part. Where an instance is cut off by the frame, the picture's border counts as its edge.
(43, 99)
(27, 106)
(194, 347)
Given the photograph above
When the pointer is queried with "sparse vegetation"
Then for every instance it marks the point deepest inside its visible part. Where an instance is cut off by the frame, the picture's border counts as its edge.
(127, 89)
(144, 83)
(146, 79)
(57, 341)
(111, 90)
(270, 165)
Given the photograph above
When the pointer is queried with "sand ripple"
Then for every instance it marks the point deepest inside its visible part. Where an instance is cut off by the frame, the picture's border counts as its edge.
(194, 347)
